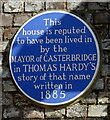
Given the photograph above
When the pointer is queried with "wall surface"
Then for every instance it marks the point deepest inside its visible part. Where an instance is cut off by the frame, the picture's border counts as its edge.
(96, 104)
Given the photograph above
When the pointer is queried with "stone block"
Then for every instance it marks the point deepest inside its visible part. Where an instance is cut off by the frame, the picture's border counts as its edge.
(109, 16)
(1, 72)
(21, 18)
(90, 98)
(106, 44)
(1, 3)
(93, 118)
(34, 6)
(101, 17)
(1, 112)
(9, 33)
(1, 20)
(54, 113)
(101, 30)
(55, 5)
(20, 100)
(1, 58)
(11, 112)
(109, 5)
(8, 86)
(99, 85)
(6, 73)
(76, 110)
(76, 5)
(86, 16)
(6, 60)
(108, 83)
(3, 46)
(106, 70)
(7, 99)
(104, 97)
(33, 112)
(97, 6)
(13, 6)
(97, 111)
(7, 19)
(106, 57)
(1, 33)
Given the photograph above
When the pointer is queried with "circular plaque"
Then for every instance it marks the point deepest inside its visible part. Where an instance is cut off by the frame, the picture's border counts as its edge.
(54, 58)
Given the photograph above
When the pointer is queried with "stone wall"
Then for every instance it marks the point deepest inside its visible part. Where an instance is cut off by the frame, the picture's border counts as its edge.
(96, 104)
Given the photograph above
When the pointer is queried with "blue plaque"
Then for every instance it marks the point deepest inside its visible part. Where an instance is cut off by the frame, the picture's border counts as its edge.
(54, 58)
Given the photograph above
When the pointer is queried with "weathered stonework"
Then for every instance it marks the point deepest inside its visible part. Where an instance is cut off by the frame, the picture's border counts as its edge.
(20, 100)
(33, 112)
(1, 33)
(76, 5)
(34, 6)
(108, 81)
(7, 19)
(11, 112)
(104, 98)
(101, 17)
(109, 5)
(109, 17)
(9, 33)
(99, 85)
(6, 73)
(97, 110)
(19, 19)
(76, 110)
(1, 58)
(7, 99)
(54, 113)
(13, 6)
(106, 70)
(88, 17)
(8, 86)
(90, 98)
(106, 57)
(98, 6)
(3, 46)
(96, 104)
(55, 5)
(106, 44)
(101, 31)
